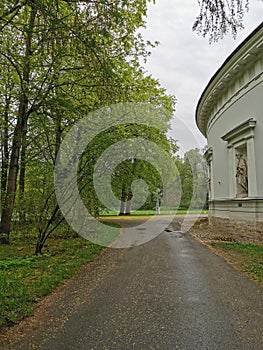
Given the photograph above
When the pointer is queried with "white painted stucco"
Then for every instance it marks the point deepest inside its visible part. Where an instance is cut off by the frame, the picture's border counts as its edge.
(230, 115)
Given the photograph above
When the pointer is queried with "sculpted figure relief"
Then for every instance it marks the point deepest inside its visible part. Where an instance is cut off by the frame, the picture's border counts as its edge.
(241, 174)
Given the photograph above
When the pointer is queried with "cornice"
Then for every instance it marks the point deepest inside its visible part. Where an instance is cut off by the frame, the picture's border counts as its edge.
(246, 127)
(241, 68)
(244, 131)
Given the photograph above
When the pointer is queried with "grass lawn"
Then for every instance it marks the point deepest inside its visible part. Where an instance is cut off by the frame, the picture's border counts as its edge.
(25, 278)
(164, 211)
(246, 257)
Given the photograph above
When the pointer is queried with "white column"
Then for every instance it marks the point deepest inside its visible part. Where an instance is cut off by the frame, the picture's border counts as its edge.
(232, 171)
(251, 169)
(212, 192)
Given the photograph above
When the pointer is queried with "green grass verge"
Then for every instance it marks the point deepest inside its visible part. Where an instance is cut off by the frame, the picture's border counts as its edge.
(25, 278)
(247, 257)
(153, 212)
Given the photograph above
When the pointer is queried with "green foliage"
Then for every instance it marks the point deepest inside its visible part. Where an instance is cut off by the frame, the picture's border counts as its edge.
(25, 278)
(193, 174)
(60, 61)
(15, 262)
(241, 247)
(127, 171)
(248, 257)
(146, 212)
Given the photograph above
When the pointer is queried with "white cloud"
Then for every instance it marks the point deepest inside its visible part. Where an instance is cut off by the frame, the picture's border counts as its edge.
(184, 62)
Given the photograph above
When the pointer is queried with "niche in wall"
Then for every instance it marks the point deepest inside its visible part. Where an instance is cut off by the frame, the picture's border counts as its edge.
(241, 160)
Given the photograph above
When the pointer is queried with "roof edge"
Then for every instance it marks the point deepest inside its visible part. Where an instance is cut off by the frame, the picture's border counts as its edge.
(219, 71)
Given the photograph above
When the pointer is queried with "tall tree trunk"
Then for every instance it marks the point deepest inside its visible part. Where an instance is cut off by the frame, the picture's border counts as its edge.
(128, 204)
(5, 152)
(8, 206)
(58, 133)
(19, 132)
(22, 174)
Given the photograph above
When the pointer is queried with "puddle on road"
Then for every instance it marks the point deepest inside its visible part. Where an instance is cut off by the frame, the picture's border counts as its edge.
(174, 233)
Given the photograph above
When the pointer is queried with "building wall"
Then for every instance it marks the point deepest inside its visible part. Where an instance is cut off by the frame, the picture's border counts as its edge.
(249, 105)
(230, 115)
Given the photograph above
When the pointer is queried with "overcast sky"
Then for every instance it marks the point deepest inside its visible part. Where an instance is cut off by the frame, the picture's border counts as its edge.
(184, 62)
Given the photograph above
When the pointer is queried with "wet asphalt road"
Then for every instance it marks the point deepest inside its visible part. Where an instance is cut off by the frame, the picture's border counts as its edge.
(171, 293)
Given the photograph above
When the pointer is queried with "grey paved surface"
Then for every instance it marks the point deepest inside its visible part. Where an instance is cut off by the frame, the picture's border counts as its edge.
(171, 293)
